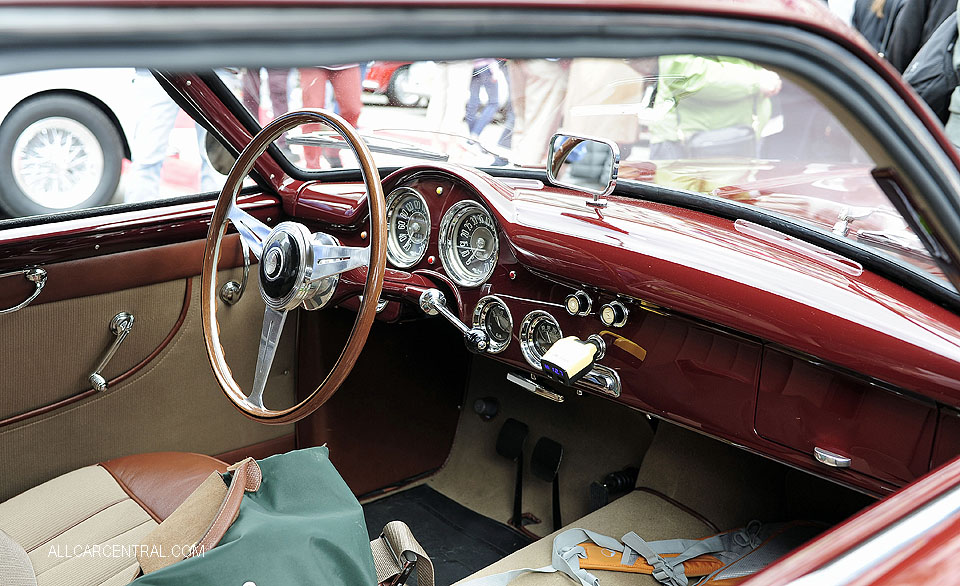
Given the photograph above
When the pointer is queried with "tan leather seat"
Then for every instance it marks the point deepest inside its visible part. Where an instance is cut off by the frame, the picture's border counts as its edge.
(81, 528)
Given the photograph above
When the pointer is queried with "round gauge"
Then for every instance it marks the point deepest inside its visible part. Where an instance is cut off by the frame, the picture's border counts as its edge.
(492, 314)
(538, 331)
(408, 227)
(468, 244)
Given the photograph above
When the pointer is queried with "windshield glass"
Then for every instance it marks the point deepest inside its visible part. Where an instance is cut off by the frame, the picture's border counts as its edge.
(713, 125)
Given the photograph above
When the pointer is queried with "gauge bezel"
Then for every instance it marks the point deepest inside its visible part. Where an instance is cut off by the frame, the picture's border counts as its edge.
(480, 312)
(395, 254)
(528, 326)
(448, 250)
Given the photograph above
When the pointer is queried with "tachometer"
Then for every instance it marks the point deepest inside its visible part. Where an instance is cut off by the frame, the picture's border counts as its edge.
(538, 331)
(492, 314)
(408, 227)
(468, 244)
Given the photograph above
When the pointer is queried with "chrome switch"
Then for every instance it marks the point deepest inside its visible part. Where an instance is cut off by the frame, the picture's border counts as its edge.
(578, 304)
(614, 314)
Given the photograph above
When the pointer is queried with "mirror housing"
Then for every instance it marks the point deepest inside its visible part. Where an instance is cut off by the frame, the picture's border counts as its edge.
(220, 158)
(585, 164)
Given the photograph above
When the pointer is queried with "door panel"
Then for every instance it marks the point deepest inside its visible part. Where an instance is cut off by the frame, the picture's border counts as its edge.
(171, 402)
(59, 344)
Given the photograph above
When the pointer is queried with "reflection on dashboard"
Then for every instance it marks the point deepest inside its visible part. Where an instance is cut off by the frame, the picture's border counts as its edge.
(494, 317)
(468, 244)
(408, 227)
(538, 331)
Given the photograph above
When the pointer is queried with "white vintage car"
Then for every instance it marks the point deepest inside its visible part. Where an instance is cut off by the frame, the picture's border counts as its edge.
(63, 138)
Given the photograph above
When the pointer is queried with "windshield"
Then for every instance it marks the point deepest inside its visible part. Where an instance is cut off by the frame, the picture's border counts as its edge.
(713, 125)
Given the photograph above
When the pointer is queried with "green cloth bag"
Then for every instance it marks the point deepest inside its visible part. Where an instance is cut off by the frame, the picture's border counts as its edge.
(302, 526)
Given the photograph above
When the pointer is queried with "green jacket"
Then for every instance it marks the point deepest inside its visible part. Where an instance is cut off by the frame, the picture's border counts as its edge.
(697, 93)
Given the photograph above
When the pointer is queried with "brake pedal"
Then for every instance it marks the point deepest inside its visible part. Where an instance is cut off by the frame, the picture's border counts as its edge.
(545, 465)
(510, 442)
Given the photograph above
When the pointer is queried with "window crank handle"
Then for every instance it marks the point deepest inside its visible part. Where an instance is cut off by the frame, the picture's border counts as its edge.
(120, 326)
(433, 302)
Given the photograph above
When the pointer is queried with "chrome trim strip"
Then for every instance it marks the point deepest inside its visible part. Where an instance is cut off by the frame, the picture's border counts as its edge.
(884, 545)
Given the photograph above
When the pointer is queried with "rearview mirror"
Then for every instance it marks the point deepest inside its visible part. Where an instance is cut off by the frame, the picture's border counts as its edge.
(585, 164)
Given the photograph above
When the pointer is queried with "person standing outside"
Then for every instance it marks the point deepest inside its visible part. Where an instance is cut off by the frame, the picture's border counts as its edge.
(537, 91)
(485, 76)
(873, 17)
(913, 26)
(151, 137)
(346, 83)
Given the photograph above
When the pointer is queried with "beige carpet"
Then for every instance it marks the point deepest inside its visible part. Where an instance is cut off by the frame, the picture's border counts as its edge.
(730, 486)
(598, 437)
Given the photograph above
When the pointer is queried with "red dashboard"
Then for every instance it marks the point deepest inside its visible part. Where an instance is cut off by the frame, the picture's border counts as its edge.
(776, 348)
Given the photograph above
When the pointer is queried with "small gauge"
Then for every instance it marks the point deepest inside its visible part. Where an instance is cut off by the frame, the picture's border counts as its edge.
(408, 227)
(493, 315)
(538, 331)
(468, 243)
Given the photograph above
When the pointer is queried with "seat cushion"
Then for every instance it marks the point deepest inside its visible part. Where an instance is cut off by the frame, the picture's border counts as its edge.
(82, 528)
(649, 515)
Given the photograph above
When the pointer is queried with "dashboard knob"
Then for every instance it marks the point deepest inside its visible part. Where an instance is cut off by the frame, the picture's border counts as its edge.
(578, 304)
(614, 314)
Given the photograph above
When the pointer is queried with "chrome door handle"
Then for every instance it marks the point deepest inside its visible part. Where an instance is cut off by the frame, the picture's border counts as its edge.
(120, 326)
(37, 275)
(831, 459)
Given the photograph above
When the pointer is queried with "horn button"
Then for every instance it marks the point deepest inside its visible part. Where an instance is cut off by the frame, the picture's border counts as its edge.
(281, 267)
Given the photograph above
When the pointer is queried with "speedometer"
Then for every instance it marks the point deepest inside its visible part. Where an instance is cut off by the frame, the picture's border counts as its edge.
(408, 227)
(468, 244)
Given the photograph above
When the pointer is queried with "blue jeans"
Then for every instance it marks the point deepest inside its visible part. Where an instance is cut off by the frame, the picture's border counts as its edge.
(476, 120)
(149, 145)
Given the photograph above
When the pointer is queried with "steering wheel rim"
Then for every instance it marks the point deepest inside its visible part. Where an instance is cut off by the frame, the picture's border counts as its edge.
(319, 254)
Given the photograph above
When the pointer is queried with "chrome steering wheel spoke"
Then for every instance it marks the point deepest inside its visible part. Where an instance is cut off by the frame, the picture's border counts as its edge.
(252, 231)
(273, 321)
(330, 260)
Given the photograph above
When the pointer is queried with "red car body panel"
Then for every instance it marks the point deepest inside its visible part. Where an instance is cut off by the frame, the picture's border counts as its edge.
(380, 73)
(908, 568)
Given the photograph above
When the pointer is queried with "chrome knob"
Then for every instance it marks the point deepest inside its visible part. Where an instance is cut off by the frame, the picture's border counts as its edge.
(614, 314)
(578, 304)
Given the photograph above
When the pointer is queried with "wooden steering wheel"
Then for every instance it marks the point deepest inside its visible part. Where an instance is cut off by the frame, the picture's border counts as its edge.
(296, 268)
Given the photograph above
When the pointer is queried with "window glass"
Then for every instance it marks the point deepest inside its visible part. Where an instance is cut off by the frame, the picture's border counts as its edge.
(80, 138)
(713, 125)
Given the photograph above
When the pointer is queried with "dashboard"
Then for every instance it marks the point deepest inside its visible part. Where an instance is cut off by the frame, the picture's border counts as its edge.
(697, 321)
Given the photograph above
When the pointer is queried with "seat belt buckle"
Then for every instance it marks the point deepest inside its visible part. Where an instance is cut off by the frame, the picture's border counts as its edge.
(405, 561)
(404, 575)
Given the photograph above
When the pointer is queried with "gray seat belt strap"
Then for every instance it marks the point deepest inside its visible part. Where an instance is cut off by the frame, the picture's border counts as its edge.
(566, 558)
(663, 572)
(670, 571)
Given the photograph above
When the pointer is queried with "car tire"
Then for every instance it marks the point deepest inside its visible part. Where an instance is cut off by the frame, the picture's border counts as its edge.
(68, 156)
(396, 94)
